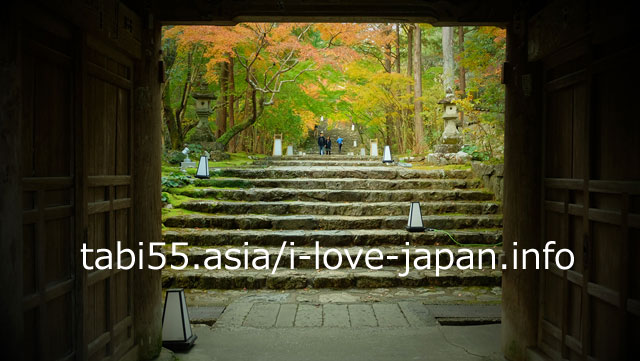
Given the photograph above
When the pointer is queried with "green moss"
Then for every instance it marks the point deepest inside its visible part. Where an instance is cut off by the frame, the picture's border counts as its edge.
(223, 183)
(177, 199)
(443, 167)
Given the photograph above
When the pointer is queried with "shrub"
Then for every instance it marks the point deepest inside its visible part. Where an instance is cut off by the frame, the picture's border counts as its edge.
(174, 157)
(175, 180)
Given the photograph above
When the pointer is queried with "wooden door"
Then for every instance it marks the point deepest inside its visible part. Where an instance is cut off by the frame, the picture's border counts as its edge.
(107, 123)
(591, 202)
(50, 276)
(77, 188)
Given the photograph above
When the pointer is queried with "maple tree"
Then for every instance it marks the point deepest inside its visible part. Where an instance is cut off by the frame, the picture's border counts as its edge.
(281, 78)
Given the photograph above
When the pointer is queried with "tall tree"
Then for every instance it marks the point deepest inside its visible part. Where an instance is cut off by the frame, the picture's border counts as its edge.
(447, 55)
(417, 89)
(463, 71)
(231, 100)
(221, 114)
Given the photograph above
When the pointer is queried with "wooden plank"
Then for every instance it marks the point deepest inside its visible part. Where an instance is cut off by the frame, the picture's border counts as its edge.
(625, 270)
(98, 343)
(633, 306)
(50, 213)
(108, 180)
(610, 186)
(564, 183)
(573, 343)
(605, 216)
(574, 277)
(604, 293)
(46, 183)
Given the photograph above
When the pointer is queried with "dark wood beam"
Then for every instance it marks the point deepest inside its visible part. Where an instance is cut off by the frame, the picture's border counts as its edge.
(229, 12)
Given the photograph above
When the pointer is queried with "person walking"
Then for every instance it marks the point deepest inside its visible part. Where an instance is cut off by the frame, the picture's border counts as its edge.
(339, 141)
(328, 146)
(322, 142)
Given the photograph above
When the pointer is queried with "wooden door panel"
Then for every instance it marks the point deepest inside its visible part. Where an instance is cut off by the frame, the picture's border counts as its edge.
(591, 186)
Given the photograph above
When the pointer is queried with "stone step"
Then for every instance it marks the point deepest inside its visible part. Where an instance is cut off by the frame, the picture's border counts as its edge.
(341, 183)
(324, 195)
(336, 156)
(327, 238)
(341, 278)
(342, 209)
(305, 257)
(323, 163)
(387, 172)
(310, 222)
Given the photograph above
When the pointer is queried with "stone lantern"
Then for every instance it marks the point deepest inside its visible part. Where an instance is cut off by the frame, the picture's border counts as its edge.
(202, 132)
(451, 139)
(449, 152)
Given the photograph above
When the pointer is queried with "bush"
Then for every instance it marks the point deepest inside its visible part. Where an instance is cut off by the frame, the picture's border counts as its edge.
(174, 157)
(475, 154)
(175, 180)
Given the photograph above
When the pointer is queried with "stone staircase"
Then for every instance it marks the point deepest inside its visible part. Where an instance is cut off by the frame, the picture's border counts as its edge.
(314, 203)
(341, 129)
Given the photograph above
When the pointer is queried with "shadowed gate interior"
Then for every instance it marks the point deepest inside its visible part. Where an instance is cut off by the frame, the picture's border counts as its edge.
(81, 150)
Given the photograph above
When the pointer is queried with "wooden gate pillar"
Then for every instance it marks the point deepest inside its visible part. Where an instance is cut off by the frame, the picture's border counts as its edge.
(522, 192)
(10, 189)
(147, 140)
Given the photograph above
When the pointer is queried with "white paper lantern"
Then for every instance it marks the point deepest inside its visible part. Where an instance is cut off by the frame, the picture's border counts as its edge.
(414, 224)
(386, 158)
(176, 328)
(203, 168)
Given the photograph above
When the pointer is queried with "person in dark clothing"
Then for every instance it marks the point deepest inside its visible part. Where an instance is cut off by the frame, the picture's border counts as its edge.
(322, 142)
(328, 146)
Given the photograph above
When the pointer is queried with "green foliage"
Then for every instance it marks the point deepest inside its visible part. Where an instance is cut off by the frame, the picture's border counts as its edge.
(175, 180)
(475, 154)
(174, 157)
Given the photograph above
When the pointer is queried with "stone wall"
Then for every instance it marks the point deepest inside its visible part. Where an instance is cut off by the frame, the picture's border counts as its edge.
(492, 176)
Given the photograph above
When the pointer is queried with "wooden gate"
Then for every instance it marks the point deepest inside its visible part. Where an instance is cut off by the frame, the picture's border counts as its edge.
(77, 181)
(591, 203)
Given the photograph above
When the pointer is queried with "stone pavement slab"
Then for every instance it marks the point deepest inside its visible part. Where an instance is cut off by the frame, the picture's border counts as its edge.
(362, 315)
(309, 316)
(336, 316)
(262, 315)
(362, 344)
(287, 315)
(389, 315)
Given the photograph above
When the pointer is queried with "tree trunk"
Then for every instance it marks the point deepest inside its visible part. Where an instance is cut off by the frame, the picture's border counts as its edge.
(221, 114)
(389, 119)
(417, 90)
(231, 100)
(447, 56)
(463, 71)
(224, 139)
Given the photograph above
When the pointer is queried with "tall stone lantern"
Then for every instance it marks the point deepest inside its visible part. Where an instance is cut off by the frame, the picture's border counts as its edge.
(449, 152)
(202, 132)
(451, 138)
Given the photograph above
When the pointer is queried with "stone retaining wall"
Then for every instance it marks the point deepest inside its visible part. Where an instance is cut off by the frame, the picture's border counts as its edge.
(491, 176)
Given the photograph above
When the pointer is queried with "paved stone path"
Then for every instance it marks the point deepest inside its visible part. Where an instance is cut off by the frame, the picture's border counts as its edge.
(405, 330)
